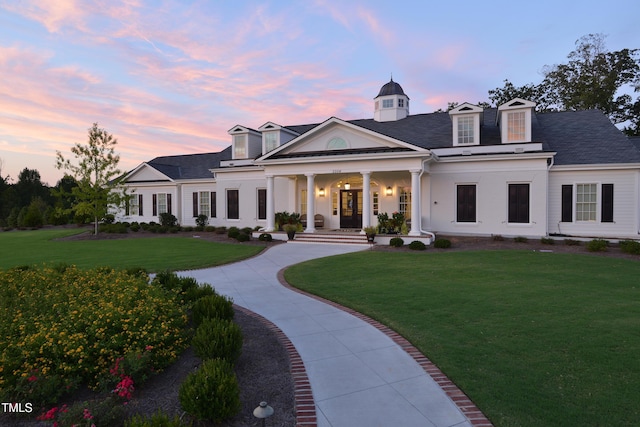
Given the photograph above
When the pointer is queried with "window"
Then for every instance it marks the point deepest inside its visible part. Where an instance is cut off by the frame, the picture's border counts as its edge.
(262, 203)
(205, 205)
(466, 127)
(303, 202)
(334, 203)
(516, 126)
(387, 103)
(401, 103)
(466, 203)
(134, 206)
(239, 146)
(233, 204)
(336, 143)
(405, 202)
(586, 202)
(270, 141)
(161, 203)
(519, 203)
(376, 202)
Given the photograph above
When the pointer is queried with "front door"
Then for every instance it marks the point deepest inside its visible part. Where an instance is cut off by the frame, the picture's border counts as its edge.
(351, 209)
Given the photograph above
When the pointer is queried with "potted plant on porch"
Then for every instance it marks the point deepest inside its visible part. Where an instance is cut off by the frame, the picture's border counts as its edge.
(291, 230)
(370, 231)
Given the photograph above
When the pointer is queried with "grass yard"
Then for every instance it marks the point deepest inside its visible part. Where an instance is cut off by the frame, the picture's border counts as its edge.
(154, 254)
(535, 339)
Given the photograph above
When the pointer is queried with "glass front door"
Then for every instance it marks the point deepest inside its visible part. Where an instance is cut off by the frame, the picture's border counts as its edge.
(351, 209)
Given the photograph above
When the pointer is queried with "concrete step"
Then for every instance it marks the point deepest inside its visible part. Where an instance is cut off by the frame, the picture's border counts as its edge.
(351, 238)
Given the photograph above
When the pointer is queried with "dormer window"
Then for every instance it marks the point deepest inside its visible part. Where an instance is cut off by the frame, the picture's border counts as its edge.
(240, 146)
(270, 140)
(515, 120)
(466, 124)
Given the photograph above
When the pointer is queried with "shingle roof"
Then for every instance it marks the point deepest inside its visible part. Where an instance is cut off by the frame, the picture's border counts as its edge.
(190, 166)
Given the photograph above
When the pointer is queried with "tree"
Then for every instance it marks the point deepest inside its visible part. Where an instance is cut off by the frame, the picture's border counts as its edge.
(593, 78)
(97, 175)
(30, 186)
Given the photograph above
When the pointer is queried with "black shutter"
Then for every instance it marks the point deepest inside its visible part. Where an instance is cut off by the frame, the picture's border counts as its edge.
(233, 208)
(518, 203)
(262, 203)
(213, 205)
(155, 204)
(140, 210)
(607, 203)
(466, 203)
(169, 203)
(195, 204)
(567, 203)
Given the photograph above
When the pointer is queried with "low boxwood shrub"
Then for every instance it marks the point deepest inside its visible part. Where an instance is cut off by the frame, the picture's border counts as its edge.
(233, 232)
(520, 239)
(243, 237)
(396, 242)
(212, 392)
(168, 220)
(135, 227)
(202, 221)
(630, 247)
(210, 229)
(218, 339)
(265, 237)
(221, 230)
(547, 241)
(442, 243)
(417, 245)
(212, 307)
(597, 245)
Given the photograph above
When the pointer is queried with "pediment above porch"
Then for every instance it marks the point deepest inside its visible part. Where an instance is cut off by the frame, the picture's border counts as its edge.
(337, 138)
(147, 173)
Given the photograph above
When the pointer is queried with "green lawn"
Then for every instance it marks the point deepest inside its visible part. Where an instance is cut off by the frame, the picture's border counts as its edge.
(535, 339)
(154, 254)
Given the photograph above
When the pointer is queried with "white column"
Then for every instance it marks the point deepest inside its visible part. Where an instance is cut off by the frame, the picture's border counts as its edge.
(311, 208)
(366, 200)
(415, 203)
(271, 208)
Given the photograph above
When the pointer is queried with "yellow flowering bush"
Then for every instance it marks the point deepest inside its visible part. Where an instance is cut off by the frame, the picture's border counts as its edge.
(60, 327)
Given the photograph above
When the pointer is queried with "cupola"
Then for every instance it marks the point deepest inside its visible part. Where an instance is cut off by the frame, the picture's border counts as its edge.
(391, 104)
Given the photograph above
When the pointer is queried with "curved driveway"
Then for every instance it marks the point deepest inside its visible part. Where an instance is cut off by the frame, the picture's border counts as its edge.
(359, 376)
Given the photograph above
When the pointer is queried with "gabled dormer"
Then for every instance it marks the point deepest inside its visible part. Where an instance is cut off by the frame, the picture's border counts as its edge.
(466, 120)
(391, 104)
(514, 118)
(246, 143)
(274, 135)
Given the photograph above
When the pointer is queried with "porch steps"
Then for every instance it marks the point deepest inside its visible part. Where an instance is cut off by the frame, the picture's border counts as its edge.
(346, 238)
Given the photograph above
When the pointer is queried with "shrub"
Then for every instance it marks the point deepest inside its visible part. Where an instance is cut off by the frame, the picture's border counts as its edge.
(417, 245)
(221, 230)
(243, 237)
(265, 237)
(158, 419)
(233, 232)
(547, 241)
(135, 227)
(571, 242)
(212, 392)
(497, 237)
(396, 242)
(109, 219)
(597, 245)
(105, 412)
(212, 307)
(218, 339)
(168, 220)
(202, 221)
(442, 243)
(630, 247)
(520, 239)
(210, 229)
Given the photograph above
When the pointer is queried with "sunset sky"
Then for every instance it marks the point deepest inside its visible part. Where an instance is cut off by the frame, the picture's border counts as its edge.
(172, 77)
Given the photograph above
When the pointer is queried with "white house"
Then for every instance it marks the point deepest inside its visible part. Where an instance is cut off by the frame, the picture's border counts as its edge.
(470, 171)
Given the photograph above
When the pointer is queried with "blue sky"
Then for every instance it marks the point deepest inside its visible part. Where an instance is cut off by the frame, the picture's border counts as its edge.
(171, 77)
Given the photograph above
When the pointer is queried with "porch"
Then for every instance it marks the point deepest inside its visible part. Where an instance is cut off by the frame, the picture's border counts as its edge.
(344, 236)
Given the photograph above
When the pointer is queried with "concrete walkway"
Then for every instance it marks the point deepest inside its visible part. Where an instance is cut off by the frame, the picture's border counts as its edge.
(359, 376)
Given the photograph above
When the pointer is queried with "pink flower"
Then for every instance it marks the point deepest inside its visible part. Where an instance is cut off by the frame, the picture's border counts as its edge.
(87, 415)
(124, 388)
(32, 378)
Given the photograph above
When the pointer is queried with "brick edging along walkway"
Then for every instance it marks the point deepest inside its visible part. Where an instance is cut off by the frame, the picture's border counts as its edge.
(303, 396)
(468, 408)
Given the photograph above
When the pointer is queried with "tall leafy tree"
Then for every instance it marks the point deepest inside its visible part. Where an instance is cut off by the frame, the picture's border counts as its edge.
(592, 78)
(97, 175)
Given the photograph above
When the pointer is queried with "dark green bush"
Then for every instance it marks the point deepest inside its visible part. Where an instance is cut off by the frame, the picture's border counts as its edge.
(218, 339)
(210, 229)
(417, 245)
(520, 239)
(212, 307)
(396, 242)
(212, 392)
(265, 237)
(109, 219)
(233, 232)
(630, 247)
(442, 243)
(168, 220)
(497, 237)
(221, 230)
(158, 419)
(106, 412)
(597, 245)
(547, 241)
(135, 227)
(243, 237)
(202, 221)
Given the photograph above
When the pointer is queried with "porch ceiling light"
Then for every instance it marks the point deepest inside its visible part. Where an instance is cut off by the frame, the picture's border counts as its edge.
(321, 192)
(389, 191)
(347, 186)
